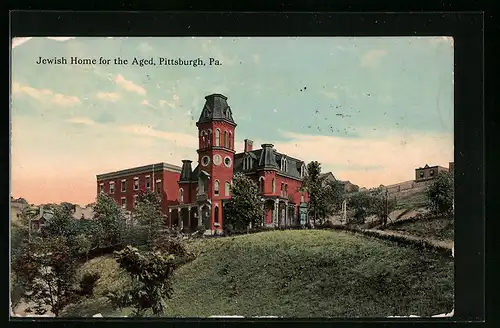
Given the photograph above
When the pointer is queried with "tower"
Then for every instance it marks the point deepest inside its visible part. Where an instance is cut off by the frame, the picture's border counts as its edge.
(215, 155)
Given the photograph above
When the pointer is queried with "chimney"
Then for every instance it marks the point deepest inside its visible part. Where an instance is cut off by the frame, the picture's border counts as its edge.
(186, 170)
(248, 146)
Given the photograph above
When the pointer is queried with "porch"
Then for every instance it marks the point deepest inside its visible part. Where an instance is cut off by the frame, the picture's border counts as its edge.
(188, 217)
(279, 212)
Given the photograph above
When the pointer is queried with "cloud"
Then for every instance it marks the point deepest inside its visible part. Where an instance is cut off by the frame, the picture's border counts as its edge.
(44, 95)
(108, 96)
(442, 39)
(179, 139)
(373, 159)
(82, 121)
(18, 41)
(372, 57)
(129, 85)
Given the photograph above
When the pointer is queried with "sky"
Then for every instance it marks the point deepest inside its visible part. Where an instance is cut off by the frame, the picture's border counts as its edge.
(369, 109)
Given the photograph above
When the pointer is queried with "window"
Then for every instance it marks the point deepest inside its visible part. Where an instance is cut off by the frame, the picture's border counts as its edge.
(226, 144)
(284, 164)
(282, 189)
(181, 195)
(135, 201)
(421, 174)
(124, 185)
(230, 141)
(286, 190)
(217, 137)
(124, 202)
(203, 139)
(101, 187)
(158, 187)
(216, 214)
(227, 188)
(261, 185)
(209, 139)
(136, 183)
(302, 170)
(148, 182)
(227, 161)
(274, 186)
(247, 163)
(431, 172)
(112, 187)
(302, 197)
(216, 188)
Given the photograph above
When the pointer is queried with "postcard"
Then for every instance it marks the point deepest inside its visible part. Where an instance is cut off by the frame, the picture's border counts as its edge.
(283, 177)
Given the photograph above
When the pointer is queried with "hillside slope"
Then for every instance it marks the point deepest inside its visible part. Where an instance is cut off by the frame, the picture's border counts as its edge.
(304, 274)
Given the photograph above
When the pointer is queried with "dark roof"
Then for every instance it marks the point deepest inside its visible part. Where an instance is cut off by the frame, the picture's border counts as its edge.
(216, 108)
(268, 158)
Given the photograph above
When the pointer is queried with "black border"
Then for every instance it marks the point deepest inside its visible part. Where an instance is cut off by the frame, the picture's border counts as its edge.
(465, 27)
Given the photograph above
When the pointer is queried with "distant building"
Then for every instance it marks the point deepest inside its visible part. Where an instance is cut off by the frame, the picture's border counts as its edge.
(428, 172)
(39, 222)
(347, 185)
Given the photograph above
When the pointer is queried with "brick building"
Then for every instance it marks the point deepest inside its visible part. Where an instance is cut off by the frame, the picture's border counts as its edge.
(428, 172)
(194, 197)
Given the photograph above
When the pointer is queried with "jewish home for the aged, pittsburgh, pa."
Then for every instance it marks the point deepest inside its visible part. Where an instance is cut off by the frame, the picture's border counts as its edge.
(191, 198)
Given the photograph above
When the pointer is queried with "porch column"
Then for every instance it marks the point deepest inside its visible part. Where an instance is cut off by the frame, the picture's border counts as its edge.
(189, 217)
(286, 213)
(170, 217)
(200, 222)
(179, 219)
(275, 212)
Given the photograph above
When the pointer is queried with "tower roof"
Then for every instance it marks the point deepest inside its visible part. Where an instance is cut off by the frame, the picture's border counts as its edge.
(216, 108)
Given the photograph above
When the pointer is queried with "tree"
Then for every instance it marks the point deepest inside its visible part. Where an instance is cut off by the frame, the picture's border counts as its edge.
(111, 220)
(245, 206)
(313, 183)
(381, 204)
(148, 213)
(330, 198)
(151, 274)
(440, 193)
(360, 203)
(47, 271)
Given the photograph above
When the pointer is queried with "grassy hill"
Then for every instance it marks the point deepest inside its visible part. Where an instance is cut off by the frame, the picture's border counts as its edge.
(297, 274)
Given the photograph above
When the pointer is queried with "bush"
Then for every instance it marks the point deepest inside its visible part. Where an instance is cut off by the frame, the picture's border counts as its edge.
(88, 283)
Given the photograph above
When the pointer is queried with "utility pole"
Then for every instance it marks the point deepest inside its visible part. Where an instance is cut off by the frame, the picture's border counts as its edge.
(386, 206)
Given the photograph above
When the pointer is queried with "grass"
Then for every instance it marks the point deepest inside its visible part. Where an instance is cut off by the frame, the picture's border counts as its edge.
(302, 274)
(440, 228)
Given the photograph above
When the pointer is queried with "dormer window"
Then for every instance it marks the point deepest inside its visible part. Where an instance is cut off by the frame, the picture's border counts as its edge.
(284, 164)
(247, 163)
(302, 170)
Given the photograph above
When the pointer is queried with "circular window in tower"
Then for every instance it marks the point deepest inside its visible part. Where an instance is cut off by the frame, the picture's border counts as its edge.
(227, 161)
(205, 160)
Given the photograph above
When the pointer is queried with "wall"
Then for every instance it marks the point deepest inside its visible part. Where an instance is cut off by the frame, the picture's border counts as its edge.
(427, 172)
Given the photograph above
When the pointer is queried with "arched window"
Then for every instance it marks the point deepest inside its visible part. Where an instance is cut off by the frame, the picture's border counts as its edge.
(209, 139)
(302, 170)
(216, 214)
(226, 144)
(230, 141)
(181, 195)
(274, 186)
(227, 188)
(283, 164)
(217, 137)
(282, 189)
(286, 190)
(261, 185)
(216, 187)
(203, 139)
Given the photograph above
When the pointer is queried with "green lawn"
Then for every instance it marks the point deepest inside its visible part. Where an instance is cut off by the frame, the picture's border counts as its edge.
(300, 274)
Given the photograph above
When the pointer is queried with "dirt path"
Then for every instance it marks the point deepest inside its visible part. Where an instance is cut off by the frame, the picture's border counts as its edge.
(439, 243)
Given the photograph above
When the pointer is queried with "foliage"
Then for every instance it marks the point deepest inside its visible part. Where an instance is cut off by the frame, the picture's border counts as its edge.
(245, 206)
(110, 219)
(47, 271)
(151, 273)
(330, 198)
(361, 203)
(313, 183)
(88, 283)
(148, 213)
(372, 202)
(440, 193)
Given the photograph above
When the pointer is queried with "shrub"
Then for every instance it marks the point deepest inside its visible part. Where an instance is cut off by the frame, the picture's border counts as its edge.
(88, 283)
